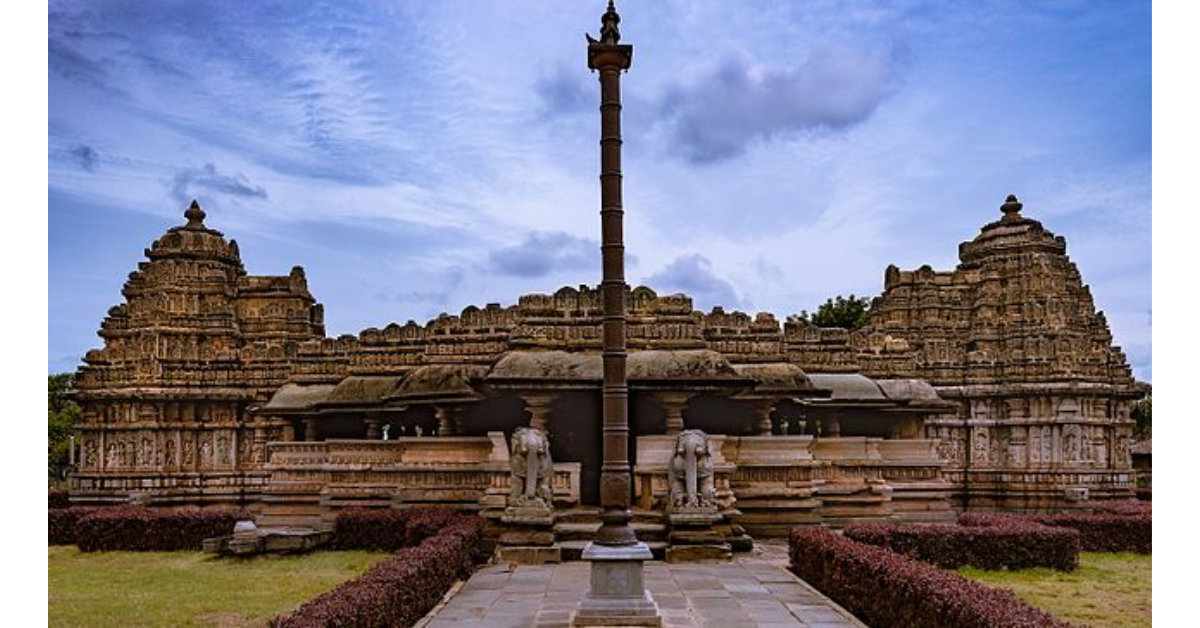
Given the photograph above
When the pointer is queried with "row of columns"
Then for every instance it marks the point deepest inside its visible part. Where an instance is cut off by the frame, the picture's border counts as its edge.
(539, 406)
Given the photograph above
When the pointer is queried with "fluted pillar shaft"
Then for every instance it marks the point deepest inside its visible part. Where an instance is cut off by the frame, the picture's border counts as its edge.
(610, 59)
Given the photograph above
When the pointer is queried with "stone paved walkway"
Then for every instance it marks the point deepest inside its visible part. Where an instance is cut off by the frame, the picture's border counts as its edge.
(752, 590)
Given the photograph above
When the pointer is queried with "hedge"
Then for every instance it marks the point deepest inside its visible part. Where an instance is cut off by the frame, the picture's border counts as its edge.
(141, 529)
(62, 522)
(1123, 507)
(883, 588)
(1010, 545)
(388, 530)
(402, 588)
(1098, 531)
(59, 498)
(372, 530)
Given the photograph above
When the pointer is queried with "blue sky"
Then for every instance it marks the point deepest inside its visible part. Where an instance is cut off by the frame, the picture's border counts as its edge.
(418, 157)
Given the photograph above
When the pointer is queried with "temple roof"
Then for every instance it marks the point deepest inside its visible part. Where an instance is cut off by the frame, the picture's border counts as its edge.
(776, 378)
(848, 386)
(546, 365)
(697, 366)
(915, 393)
(362, 390)
(298, 397)
(434, 382)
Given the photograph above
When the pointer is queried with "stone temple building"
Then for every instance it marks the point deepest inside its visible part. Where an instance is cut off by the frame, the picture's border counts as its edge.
(992, 385)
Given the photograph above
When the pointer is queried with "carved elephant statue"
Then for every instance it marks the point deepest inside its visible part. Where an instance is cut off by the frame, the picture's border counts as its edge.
(532, 468)
(691, 471)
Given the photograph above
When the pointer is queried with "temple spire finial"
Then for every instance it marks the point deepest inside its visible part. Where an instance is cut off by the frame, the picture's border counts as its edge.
(195, 216)
(609, 32)
(1011, 207)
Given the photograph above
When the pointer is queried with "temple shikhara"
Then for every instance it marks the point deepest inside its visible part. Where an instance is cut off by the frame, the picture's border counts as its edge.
(991, 385)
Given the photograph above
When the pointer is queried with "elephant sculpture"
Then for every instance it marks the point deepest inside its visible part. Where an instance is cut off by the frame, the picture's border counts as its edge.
(691, 471)
(532, 468)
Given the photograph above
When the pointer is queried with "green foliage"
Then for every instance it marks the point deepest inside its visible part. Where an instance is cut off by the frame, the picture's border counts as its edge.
(98, 589)
(845, 312)
(1108, 590)
(63, 413)
(1140, 413)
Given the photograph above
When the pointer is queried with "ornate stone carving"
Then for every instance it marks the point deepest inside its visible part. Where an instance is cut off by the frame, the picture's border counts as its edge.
(692, 477)
(532, 469)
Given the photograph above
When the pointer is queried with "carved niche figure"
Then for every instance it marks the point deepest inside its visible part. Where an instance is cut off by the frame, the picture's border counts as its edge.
(529, 456)
(169, 458)
(1121, 457)
(692, 479)
(222, 458)
(980, 448)
(1071, 443)
(205, 454)
(110, 457)
(89, 454)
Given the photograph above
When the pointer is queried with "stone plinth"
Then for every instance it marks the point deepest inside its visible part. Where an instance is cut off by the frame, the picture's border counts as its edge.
(618, 595)
(538, 516)
(528, 536)
(698, 534)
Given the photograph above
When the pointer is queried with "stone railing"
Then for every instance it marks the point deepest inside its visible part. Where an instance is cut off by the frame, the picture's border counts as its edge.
(405, 451)
(778, 482)
(310, 481)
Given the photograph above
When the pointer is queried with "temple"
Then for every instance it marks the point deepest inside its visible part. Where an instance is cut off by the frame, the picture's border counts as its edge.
(992, 385)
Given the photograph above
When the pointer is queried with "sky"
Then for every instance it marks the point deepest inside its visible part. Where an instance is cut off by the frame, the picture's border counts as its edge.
(419, 157)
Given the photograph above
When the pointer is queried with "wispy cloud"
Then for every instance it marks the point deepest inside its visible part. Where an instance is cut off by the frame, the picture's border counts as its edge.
(693, 275)
(380, 144)
(85, 156)
(721, 111)
(564, 90)
(191, 181)
(543, 253)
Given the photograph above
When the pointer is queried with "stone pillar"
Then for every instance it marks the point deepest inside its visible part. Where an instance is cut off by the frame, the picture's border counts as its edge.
(673, 404)
(538, 407)
(831, 426)
(373, 422)
(618, 596)
(447, 424)
(761, 409)
(310, 430)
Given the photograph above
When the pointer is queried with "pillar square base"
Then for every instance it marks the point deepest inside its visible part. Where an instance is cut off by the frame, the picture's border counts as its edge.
(618, 596)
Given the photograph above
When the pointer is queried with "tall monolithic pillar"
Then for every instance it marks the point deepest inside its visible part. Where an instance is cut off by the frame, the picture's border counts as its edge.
(618, 594)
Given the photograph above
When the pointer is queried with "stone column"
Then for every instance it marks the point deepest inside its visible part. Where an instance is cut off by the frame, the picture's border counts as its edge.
(831, 426)
(373, 422)
(618, 596)
(538, 407)
(310, 430)
(761, 409)
(446, 420)
(674, 403)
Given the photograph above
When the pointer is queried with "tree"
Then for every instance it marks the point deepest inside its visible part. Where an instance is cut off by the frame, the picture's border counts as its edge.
(1140, 413)
(63, 413)
(845, 312)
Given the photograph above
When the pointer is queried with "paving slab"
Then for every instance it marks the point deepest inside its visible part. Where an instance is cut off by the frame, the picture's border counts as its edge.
(753, 589)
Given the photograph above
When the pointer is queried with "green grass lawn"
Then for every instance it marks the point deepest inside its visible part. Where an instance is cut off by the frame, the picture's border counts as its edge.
(1106, 590)
(189, 588)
